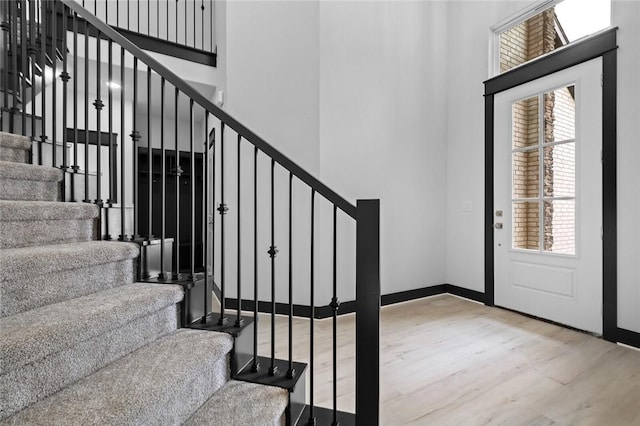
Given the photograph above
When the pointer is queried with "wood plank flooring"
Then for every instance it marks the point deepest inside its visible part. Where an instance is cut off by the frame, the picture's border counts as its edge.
(449, 361)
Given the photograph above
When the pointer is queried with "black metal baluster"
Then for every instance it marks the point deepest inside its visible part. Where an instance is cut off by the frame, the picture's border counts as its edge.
(14, 64)
(54, 106)
(6, 41)
(202, 24)
(128, 15)
(110, 198)
(123, 231)
(213, 203)
(185, 24)
(148, 19)
(177, 21)
(335, 305)
(86, 114)
(167, 19)
(149, 160)
(43, 67)
(239, 320)
(222, 209)
(118, 13)
(33, 49)
(192, 240)
(138, 16)
(255, 365)
(273, 251)
(177, 172)
(312, 312)
(110, 88)
(98, 104)
(75, 167)
(64, 76)
(211, 27)
(291, 372)
(135, 138)
(163, 184)
(205, 220)
(23, 46)
(194, 23)
(157, 19)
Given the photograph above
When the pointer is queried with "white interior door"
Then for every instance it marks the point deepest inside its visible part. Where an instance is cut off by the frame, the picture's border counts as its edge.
(548, 197)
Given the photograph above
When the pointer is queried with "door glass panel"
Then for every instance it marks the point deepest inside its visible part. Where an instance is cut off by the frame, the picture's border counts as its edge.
(526, 174)
(526, 125)
(560, 115)
(559, 226)
(560, 170)
(546, 195)
(526, 225)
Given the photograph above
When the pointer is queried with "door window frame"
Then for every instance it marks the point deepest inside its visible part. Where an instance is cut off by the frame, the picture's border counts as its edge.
(602, 44)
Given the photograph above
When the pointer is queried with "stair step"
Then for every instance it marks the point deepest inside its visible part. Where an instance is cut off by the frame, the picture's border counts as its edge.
(14, 148)
(32, 277)
(241, 404)
(29, 182)
(46, 349)
(162, 383)
(30, 223)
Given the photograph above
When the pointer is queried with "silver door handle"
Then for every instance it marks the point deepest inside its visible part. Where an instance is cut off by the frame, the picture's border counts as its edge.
(498, 225)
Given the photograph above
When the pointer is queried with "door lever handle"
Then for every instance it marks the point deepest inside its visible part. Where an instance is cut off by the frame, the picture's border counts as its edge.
(498, 225)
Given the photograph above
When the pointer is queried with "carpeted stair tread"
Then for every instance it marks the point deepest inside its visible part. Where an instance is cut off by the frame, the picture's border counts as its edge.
(162, 383)
(26, 261)
(21, 387)
(14, 148)
(11, 210)
(19, 171)
(11, 140)
(31, 223)
(31, 277)
(240, 404)
(20, 181)
(38, 333)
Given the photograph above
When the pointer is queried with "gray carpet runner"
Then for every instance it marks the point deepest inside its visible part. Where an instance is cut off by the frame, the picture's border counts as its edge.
(81, 342)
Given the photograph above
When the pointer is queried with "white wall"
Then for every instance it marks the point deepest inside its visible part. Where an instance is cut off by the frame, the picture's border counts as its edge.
(383, 126)
(272, 74)
(354, 93)
(626, 15)
(468, 41)
(469, 23)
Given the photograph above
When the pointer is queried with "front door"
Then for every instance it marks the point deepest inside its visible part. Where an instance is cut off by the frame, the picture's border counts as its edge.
(548, 197)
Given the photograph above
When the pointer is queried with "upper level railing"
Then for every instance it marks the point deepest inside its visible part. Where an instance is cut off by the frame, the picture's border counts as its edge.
(133, 138)
(189, 23)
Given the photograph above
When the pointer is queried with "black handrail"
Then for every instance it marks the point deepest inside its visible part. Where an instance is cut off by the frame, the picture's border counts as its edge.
(106, 31)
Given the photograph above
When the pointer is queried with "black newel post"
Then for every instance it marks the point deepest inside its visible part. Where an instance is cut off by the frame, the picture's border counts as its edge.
(368, 312)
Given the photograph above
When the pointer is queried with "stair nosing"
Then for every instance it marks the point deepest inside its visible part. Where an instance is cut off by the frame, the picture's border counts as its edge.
(22, 262)
(18, 210)
(11, 140)
(29, 172)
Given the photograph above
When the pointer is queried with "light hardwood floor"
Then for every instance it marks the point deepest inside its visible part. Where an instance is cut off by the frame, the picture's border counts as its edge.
(449, 361)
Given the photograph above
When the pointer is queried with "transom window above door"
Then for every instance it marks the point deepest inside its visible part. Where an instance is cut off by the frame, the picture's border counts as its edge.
(544, 172)
(545, 27)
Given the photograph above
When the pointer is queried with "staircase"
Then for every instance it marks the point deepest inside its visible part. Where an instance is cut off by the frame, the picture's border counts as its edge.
(153, 199)
(81, 342)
